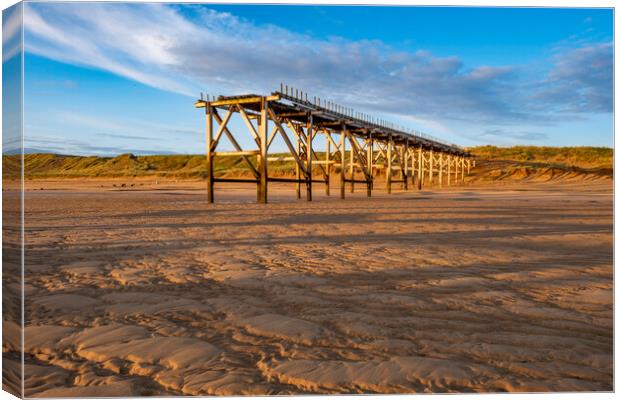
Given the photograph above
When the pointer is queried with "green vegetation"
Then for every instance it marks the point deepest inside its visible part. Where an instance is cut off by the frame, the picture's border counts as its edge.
(129, 165)
(582, 157)
(194, 166)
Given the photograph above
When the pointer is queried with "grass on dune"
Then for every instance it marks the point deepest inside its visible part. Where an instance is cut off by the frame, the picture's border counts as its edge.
(129, 165)
(45, 165)
(582, 157)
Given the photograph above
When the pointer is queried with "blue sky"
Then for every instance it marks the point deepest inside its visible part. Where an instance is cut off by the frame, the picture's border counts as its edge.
(107, 78)
(11, 80)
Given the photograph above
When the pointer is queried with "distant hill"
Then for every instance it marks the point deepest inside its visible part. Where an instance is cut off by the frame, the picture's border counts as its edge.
(492, 163)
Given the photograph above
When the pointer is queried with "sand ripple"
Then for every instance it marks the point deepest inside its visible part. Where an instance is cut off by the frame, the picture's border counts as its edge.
(158, 293)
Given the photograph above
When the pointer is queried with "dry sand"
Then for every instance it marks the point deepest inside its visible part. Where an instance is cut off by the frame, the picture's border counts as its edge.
(471, 289)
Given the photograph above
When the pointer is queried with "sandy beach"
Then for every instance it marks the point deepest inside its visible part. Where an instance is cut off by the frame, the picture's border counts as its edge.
(149, 290)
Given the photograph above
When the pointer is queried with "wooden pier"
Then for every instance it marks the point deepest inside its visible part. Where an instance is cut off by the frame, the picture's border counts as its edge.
(356, 146)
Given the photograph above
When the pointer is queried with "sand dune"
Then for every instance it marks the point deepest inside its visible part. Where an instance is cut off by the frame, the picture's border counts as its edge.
(471, 289)
(510, 171)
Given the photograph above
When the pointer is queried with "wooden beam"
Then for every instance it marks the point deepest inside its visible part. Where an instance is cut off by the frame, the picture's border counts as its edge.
(449, 167)
(280, 159)
(342, 161)
(309, 137)
(381, 151)
(209, 139)
(235, 144)
(440, 170)
(413, 165)
(331, 140)
(249, 124)
(298, 168)
(235, 153)
(402, 166)
(369, 159)
(430, 169)
(420, 168)
(293, 114)
(351, 165)
(221, 128)
(236, 100)
(320, 164)
(456, 170)
(359, 155)
(388, 171)
(262, 157)
(328, 163)
(405, 153)
(329, 124)
(277, 179)
(287, 141)
(251, 114)
(272, 136)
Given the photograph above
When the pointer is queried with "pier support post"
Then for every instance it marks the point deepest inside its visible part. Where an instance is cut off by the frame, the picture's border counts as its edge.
(369, 162)
(462, 169)
(440, 170)
(468, 165)
(309, 137)
(343, 157)
(413, 173)
(262, 157)
(456, 170)
(209, 139)
(388, 171)
(297, 169)
(404, 164)
(449, 165)
(405, 161)
(328, 165)
(431, 171)
(351, 166)
(420, 168)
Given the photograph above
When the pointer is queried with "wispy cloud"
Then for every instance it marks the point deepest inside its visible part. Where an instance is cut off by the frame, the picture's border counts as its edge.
(513, 135)
(202, 49)
(11, 32)
(124, 128)
(106, 136)
(128, 40)
(127, 137)
(62, 145)
(580, 81)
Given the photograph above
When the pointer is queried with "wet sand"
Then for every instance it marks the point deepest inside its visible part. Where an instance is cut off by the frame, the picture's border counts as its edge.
(471, 289)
